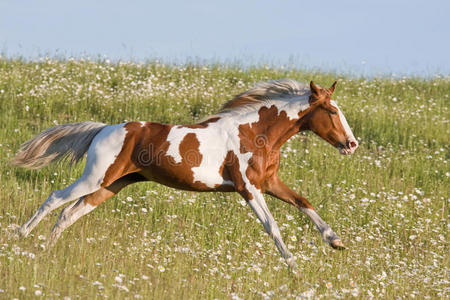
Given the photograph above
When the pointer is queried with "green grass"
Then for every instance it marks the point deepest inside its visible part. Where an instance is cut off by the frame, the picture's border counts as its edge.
(388, 202)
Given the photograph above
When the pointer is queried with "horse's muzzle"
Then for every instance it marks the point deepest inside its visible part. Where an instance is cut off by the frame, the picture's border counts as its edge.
(349, 147)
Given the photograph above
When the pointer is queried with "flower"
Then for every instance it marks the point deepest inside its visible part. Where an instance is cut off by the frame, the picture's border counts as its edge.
(161, 269)
(381, 276)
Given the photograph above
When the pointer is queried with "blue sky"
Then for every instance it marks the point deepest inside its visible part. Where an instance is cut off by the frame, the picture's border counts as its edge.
(363, 37)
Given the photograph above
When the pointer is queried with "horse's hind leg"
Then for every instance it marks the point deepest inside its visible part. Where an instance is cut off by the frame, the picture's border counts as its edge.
(81, 187)
(100, 157)
(88, 203)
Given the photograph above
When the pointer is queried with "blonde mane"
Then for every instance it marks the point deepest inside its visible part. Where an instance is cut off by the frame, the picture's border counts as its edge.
(263, 92)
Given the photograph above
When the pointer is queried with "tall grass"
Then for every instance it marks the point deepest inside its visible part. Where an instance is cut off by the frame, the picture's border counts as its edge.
(388, 202)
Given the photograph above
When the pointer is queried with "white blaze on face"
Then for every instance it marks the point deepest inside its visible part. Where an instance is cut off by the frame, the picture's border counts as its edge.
(348, 131)
(351, 142)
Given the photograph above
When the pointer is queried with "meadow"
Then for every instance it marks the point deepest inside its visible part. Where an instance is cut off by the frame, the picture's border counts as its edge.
(388, 202)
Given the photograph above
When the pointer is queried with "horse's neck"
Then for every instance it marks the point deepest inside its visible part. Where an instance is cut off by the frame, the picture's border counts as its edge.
(271, 124)
(281, 131)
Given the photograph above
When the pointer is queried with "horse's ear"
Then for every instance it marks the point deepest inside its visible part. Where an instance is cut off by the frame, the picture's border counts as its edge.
(314, 88)
(315, 92)
(333, 86)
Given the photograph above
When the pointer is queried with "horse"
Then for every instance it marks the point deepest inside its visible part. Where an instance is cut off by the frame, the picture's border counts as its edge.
(235, 150)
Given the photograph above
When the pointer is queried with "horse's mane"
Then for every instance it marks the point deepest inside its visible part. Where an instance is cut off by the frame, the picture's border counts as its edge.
(283, 89)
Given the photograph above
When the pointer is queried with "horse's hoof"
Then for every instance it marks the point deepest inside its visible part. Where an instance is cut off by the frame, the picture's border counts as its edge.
(22, 231)
(291, 262)
(337, 244)
(296, 274)
(51, 242)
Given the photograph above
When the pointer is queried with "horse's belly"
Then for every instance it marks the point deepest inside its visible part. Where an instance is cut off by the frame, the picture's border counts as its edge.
(206, 176)
(210, 176)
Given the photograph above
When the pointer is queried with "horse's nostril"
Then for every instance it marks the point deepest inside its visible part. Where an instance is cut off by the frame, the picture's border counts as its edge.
(353, 144)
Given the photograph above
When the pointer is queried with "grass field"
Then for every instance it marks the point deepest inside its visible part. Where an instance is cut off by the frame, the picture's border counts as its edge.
(388, 202)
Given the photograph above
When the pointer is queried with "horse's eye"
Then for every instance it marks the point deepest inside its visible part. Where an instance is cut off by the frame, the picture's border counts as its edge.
(332, 112)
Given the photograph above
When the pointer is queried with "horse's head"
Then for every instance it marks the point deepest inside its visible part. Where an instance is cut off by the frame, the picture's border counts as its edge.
(327, 121)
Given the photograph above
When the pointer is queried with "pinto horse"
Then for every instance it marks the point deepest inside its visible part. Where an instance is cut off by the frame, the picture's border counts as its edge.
(236, 150)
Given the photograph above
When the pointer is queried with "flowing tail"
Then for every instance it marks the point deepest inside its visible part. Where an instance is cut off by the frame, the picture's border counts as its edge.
(68, 142)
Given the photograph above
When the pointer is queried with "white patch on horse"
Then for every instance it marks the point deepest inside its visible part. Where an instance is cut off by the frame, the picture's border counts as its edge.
(103, 151)
(212, 146)
(175, 136)
(294, 107)
(143, 123)
(348, 131)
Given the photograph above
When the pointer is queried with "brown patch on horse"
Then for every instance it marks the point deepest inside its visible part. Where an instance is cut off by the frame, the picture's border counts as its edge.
(277, 188)
(98, 197)
(268, 132)
(241, 100)
(105, 193)
(203, 124)
(189, 151)
(263, 139)
(231, 168)
(123, 164)
(229, 160)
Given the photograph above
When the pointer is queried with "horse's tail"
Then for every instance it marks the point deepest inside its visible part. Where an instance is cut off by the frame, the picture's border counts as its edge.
(69, 142)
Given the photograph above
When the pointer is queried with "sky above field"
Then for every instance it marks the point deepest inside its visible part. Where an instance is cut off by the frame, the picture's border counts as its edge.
(359, 37)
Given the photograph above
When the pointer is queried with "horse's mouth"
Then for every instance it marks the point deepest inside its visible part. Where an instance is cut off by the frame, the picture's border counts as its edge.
(348, 148)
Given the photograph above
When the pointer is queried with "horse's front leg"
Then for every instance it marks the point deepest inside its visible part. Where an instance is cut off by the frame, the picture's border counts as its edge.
(277, 188)
(256, 201)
